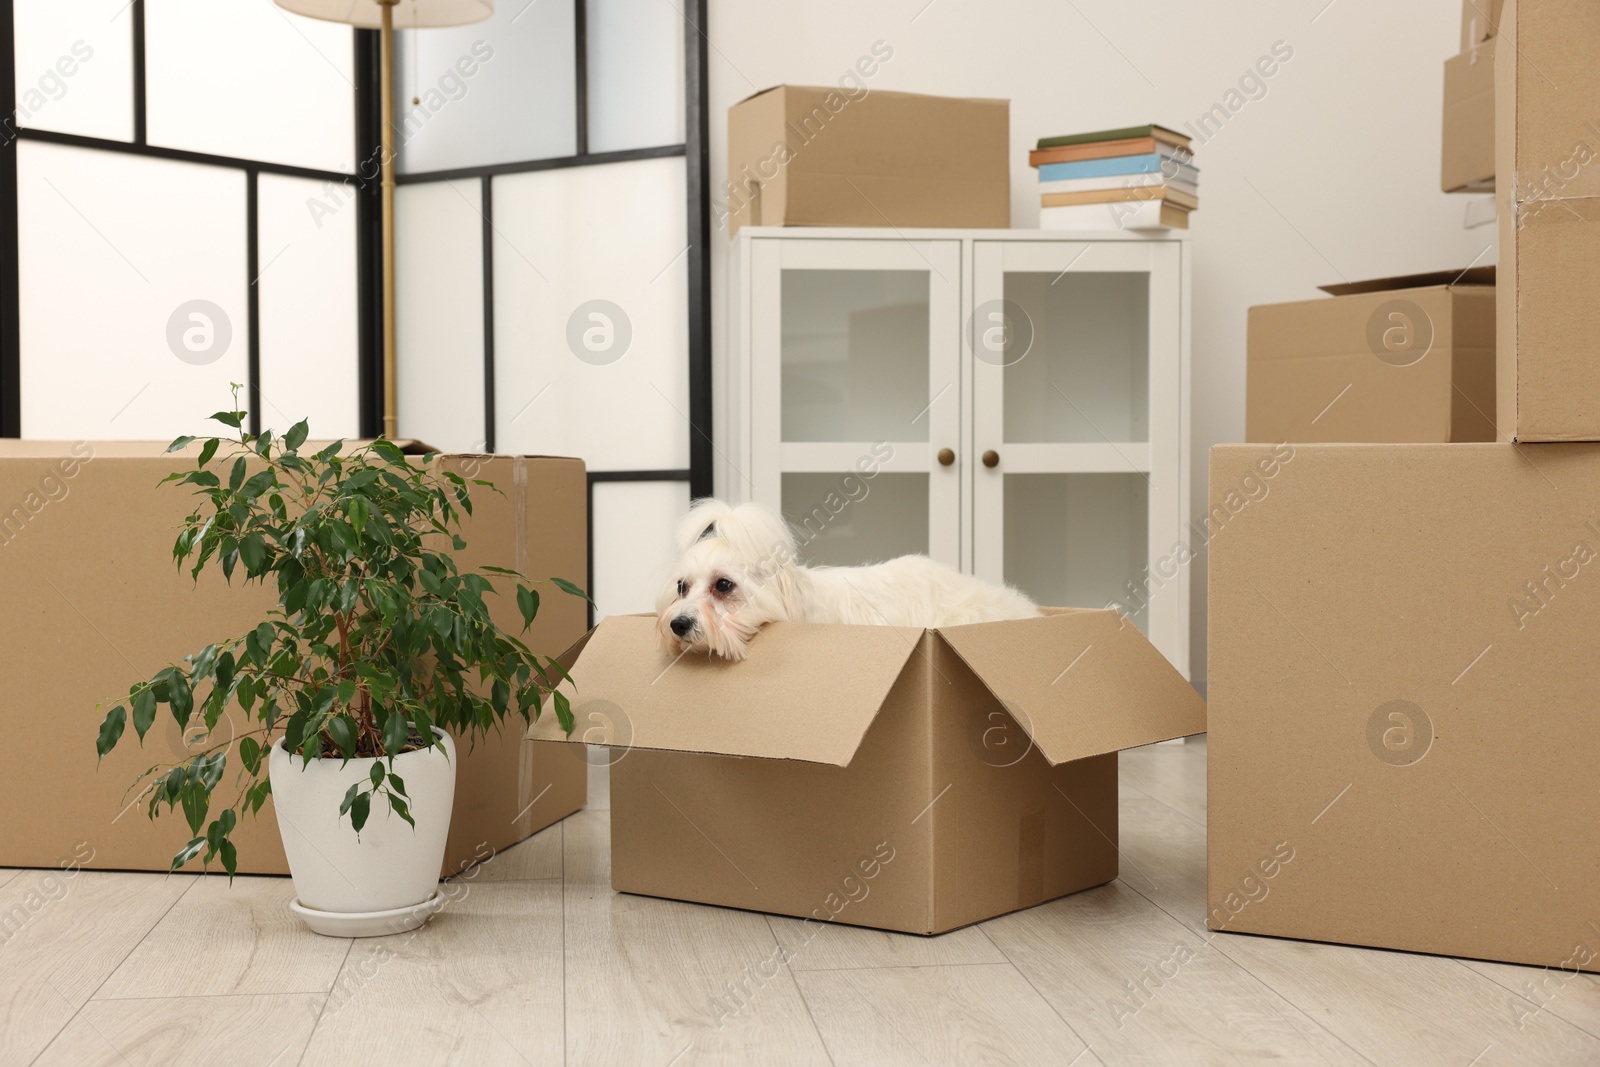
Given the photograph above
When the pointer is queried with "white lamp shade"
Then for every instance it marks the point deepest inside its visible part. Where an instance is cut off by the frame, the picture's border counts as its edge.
(408, 14)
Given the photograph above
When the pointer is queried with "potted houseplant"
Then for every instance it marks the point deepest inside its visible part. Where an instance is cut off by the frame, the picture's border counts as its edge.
(377, 645)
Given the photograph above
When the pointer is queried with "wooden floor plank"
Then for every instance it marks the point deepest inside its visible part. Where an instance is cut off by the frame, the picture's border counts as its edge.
(1172, 774)
(831, 946)
(659, 981)
(1142, 988)
(539, 857)
(480, 984)
(240, 1031)
(229, 939)
(984, 1013)
(62, 936)
(1561, 992)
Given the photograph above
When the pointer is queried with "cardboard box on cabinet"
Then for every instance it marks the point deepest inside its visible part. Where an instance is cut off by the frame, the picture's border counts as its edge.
(1547, 146)
(912, 780)
(1402, 684)
(93, 604)
(1396, 359)
(815, 156)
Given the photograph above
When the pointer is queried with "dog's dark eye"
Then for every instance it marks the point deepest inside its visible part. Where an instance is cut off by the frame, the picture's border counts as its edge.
(724, 586)
(683, 588)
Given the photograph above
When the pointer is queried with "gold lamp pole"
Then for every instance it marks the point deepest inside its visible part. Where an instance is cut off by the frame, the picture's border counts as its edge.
(380, 15)
(391, 392)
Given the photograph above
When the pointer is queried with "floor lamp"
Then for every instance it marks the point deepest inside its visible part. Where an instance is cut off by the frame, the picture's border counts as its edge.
(383, 16)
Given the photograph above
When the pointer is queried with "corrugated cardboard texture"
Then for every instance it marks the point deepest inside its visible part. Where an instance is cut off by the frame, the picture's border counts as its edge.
(1402, 695)
(813, 156)
(951, 766)
(1467, 141)
(93, 604)
(1314, 373)
(1546, 149)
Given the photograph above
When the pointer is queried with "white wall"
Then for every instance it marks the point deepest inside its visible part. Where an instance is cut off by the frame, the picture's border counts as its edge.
(1333, 173)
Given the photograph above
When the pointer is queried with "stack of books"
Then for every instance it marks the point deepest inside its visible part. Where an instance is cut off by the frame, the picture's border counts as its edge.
(1139, 178)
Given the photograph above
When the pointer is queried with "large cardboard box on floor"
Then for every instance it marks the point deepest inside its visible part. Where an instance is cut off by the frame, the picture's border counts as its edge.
(913, 780)
(814, 156)
(1402, 682)
(1546, 153)
(1396, 359)
(1467, 140)
(90, 603)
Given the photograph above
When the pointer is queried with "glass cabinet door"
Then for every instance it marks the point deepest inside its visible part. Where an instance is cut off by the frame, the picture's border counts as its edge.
(855, 362)
(1075, 354)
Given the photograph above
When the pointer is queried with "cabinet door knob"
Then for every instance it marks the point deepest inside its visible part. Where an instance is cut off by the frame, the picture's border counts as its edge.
(946, 457)
(991, 458)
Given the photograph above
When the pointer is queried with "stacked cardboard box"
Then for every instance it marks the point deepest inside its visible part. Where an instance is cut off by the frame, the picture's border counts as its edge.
(1402, 670)
(1467, 144)
(1138, 178)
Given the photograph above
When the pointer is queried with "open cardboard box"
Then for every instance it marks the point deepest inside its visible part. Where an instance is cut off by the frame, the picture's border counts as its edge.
(1403, 681)
(93, 603)
(912, 780)
(1394, 359)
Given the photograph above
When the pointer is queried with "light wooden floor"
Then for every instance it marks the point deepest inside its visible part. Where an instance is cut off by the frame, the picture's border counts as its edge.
(538, 962)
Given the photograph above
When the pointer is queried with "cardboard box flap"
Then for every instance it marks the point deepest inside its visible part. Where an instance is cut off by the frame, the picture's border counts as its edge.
(1081, 683)
(1470, 276)
(805, 692)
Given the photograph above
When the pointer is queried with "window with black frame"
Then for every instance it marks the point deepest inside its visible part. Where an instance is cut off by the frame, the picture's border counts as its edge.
(189, 194)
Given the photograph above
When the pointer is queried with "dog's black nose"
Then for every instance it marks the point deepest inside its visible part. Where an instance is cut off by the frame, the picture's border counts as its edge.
(682, 625)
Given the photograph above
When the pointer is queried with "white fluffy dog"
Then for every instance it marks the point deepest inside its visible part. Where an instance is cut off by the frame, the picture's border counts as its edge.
(738, 572)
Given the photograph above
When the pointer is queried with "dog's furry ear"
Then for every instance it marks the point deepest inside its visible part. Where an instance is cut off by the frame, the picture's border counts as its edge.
(709, 531)
(700, 522)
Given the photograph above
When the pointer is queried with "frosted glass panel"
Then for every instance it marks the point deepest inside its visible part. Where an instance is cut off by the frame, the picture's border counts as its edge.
(496, 91)
(591, 329)
(855, 355)
(307, 290)
(837, 524)
(633, 549)
(439, 289)
(1086, 375)
(1079, 540)
(75, 67)
(132, 288)
(250, 80)
(635, 57)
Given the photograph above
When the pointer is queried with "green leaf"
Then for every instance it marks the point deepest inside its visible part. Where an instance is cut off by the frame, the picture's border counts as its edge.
(229, 418)
(230, 858)
(567, 587)
(377, 774)
(207, 450)
(181, 697)
(342, 729)
(394, 734)
(297, 435)
(180, 442)
(359, 811)
(563, 711)
(250, 754)
(528, 602)
(188, 852)
(236, 476)
(111, 728)
(349, 797)
(396, 785)
(259, 483)
(195, 799)
(401, 809)
(253, 550)
(144, 712)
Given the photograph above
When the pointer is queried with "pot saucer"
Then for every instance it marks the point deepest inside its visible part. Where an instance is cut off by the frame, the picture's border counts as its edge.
(369, 923)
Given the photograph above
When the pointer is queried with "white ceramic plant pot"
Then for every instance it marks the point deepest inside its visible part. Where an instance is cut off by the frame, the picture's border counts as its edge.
(386, 879)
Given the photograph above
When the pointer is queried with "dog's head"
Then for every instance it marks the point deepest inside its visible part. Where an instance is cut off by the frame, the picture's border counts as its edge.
(734, 575)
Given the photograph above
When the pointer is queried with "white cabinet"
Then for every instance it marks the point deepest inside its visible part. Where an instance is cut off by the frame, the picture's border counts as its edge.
(1012, 402)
